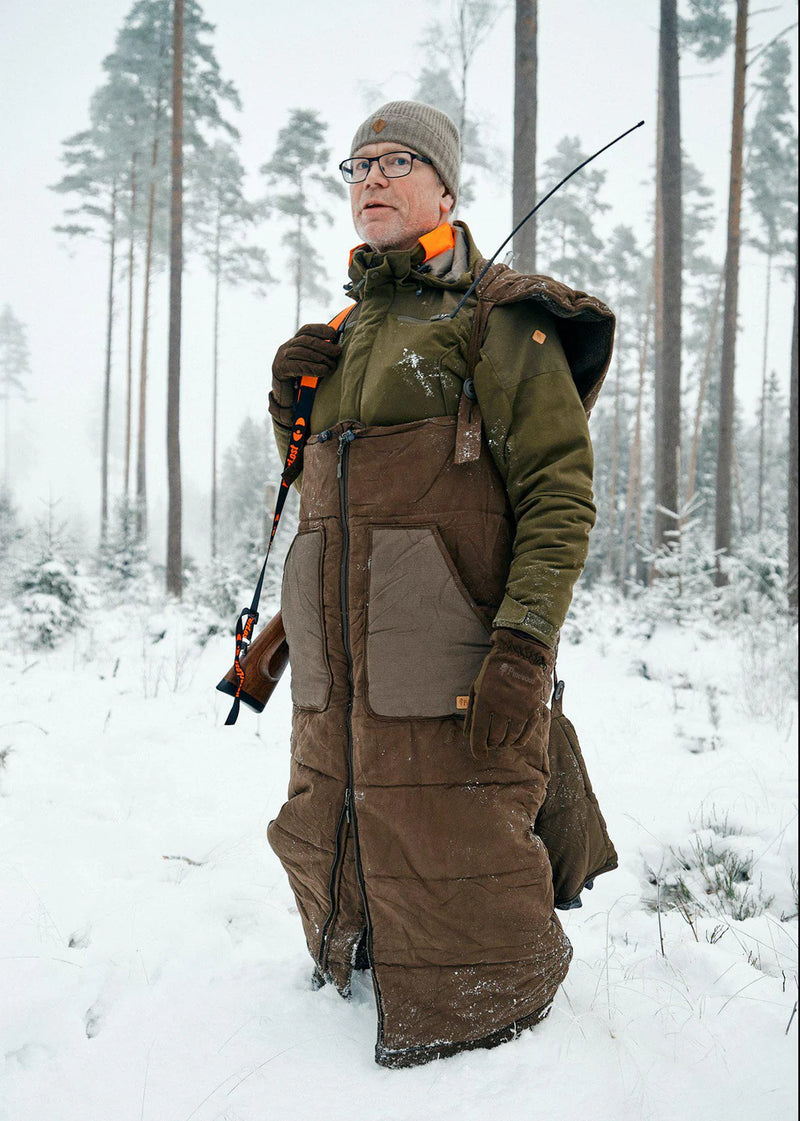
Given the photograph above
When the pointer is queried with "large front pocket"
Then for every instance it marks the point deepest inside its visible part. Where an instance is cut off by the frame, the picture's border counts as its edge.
(426, 638)
(303, 620)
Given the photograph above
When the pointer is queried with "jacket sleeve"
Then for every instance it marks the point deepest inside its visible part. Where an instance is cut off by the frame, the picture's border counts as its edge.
(281, 438)
(538, 435)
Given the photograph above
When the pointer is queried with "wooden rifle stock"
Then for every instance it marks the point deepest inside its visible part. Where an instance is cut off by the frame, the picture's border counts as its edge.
(263, 665)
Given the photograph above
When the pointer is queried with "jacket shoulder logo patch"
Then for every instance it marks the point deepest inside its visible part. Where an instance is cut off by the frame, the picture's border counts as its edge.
(379, 125)
(538, 337)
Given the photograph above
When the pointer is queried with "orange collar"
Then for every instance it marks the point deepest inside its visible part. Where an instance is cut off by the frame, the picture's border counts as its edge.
(439, 240)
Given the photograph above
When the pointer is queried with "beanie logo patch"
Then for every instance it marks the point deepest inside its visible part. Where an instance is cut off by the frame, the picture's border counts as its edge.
(379, 125)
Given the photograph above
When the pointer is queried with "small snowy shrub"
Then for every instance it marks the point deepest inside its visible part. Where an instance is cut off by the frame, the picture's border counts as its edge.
(216, 595)
(682, 585)
(11, 536)
(219, 587)
(756, 578)
(50, 597)
(122, 563)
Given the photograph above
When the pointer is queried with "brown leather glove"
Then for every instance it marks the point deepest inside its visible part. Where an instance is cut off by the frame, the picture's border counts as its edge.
(508, 699)
(312, 352)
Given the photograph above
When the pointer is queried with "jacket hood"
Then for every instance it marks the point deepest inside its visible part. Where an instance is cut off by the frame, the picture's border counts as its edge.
(586, 325)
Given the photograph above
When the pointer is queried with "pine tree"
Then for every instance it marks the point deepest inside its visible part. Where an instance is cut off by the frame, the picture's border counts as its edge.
(10, 530)
(435, 87)
(297, 171)
(143, 53)
(95, 161)
(174, 490)
(249, 465)
(222, 217)
(49, 591)
(771, 184)
(792, 495)
(249, 479)
(613, 420)
(451, 46)
(14, 368)
(669, 282)
(708, 34)
(725, 456)
(707, 31)
(568, 246)
(122, 562)
(703, 285)
(123, 157)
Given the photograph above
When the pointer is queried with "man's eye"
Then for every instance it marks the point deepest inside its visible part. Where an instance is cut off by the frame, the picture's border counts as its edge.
(360, 166)
(401, 161)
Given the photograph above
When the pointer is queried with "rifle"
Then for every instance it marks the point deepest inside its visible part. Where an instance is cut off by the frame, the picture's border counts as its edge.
(263, 664)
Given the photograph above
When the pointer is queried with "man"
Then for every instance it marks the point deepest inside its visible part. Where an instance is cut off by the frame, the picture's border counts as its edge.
(445, 513)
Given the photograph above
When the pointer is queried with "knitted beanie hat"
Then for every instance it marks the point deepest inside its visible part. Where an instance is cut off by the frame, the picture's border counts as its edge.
(423, 128)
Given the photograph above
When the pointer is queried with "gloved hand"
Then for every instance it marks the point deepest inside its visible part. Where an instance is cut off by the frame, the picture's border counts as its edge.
(508, 699)
(312, 352)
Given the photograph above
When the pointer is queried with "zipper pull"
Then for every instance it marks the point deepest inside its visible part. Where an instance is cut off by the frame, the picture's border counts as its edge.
(324, 436)
(347, 804)
(346, 438)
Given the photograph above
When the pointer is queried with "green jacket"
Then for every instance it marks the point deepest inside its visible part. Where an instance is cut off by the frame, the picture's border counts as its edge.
(398, 366)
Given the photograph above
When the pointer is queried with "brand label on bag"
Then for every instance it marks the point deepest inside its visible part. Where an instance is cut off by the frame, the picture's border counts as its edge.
(462, 704)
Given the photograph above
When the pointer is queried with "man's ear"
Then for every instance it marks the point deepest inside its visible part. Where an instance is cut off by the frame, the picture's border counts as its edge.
(446, 202)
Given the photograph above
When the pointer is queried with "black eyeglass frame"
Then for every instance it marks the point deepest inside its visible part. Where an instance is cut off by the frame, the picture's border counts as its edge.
(377, 159)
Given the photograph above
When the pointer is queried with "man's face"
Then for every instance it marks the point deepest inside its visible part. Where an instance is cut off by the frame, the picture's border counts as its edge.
(395, 213)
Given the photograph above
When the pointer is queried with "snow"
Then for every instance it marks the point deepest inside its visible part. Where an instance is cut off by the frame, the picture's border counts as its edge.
(152, 965)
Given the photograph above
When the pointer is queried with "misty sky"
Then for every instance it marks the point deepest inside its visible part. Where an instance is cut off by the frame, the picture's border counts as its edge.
(597, 76)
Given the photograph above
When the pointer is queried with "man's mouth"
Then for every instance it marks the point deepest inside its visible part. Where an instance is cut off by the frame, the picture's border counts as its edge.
(375, 206)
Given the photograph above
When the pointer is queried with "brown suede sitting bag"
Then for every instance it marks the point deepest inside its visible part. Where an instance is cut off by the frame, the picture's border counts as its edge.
(570, 822)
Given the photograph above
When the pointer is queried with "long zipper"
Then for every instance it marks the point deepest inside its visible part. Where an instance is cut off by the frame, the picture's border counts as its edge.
(333, 886)
(345, 440)
(338, 854)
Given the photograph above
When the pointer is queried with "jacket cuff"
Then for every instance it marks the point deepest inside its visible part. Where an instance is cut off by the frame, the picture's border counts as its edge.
(518, 617)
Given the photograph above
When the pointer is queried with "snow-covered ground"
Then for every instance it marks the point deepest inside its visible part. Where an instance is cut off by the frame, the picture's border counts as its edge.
(152, 966)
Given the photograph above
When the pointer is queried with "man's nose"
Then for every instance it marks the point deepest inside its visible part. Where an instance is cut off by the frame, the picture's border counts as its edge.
(378, 176)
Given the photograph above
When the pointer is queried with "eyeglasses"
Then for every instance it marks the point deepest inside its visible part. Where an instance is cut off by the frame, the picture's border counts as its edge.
(394, 165)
